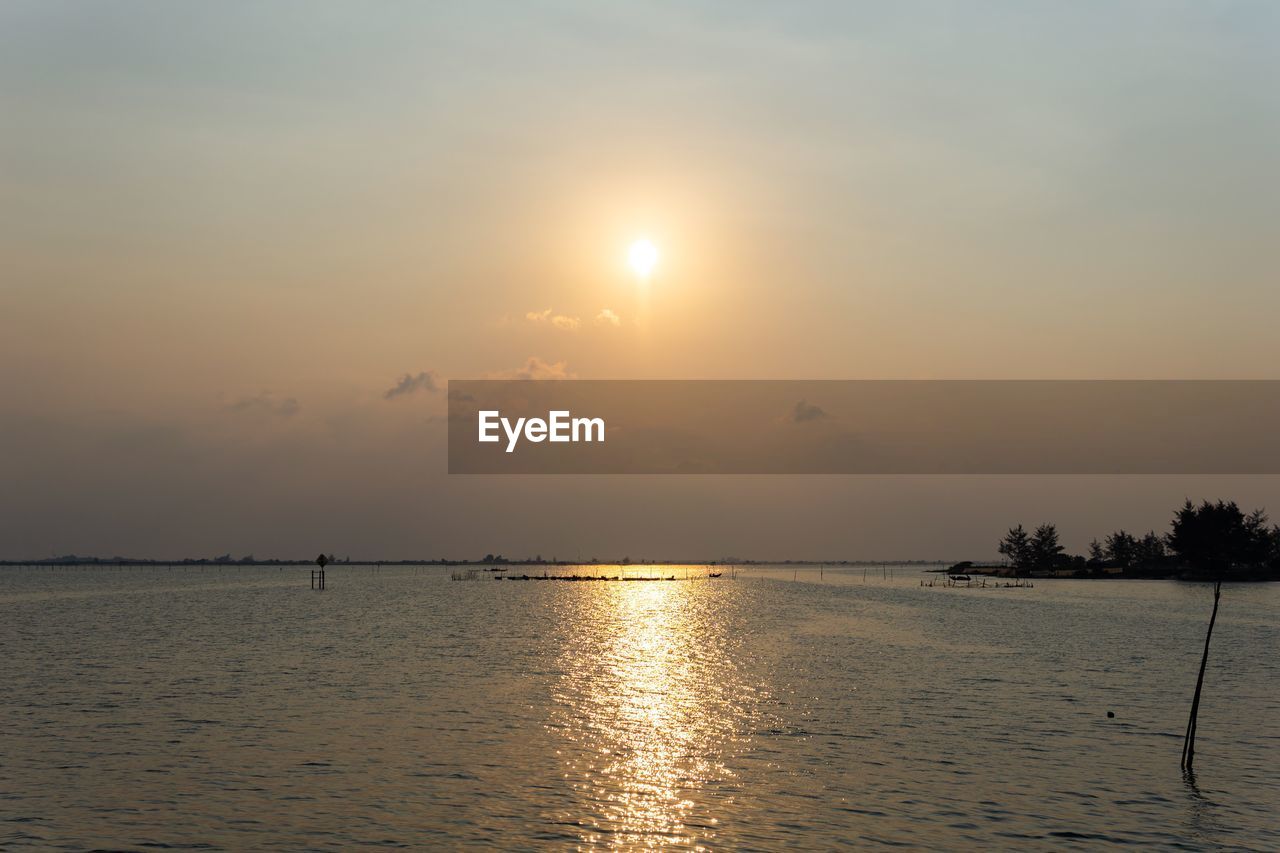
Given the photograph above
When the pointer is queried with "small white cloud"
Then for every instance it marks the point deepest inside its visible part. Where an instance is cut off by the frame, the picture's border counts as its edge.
(536, 368)
(608, 317)
(563, 322)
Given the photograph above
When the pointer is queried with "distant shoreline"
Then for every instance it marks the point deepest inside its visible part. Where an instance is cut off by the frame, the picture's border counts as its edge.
(1249, 574)
(1172, 573)
(126, 561)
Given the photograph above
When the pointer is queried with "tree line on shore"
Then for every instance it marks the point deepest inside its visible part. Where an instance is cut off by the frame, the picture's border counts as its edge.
(1213, 540)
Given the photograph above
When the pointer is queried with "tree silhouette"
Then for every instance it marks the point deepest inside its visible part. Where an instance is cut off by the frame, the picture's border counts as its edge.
(1122, 548)
(1214, 536)
(1016, 545)
(1149, 550)
(1045, 547)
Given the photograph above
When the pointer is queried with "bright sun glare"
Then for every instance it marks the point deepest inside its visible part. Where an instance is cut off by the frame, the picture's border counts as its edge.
(643, 258)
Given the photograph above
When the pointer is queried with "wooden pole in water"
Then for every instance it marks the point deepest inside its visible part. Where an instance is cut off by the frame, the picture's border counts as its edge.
(1189, 742)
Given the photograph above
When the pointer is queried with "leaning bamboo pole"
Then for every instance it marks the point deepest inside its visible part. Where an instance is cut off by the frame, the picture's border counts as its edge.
(1189, 742)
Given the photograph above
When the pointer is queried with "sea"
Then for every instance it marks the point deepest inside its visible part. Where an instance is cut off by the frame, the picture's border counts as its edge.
(769, 708)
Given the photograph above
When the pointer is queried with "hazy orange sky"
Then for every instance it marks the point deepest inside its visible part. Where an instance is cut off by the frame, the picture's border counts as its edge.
(228, 231)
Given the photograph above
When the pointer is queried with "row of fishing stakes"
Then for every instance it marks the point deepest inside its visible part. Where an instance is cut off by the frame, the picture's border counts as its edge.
(822, 571)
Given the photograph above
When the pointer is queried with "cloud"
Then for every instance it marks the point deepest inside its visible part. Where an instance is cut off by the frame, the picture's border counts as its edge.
(805, 411)
(607, 316)
(561, 321)
(266, 403)
(408, 384)
(536, 368)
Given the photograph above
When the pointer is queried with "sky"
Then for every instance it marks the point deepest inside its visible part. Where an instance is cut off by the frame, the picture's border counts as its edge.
(229, 232)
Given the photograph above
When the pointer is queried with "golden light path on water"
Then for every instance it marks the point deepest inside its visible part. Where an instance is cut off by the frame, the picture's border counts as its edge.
(650, 705)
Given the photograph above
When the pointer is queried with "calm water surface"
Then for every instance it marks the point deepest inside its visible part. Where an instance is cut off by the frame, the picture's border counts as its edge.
(236, 708)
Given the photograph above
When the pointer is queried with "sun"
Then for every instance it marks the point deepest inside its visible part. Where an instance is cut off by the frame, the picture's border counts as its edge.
(643, 258)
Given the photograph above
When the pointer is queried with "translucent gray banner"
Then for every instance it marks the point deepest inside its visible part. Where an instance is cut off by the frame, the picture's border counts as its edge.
(863, 427)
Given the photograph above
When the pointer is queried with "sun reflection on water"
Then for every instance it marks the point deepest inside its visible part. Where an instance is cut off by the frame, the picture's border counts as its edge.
(650, 705)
